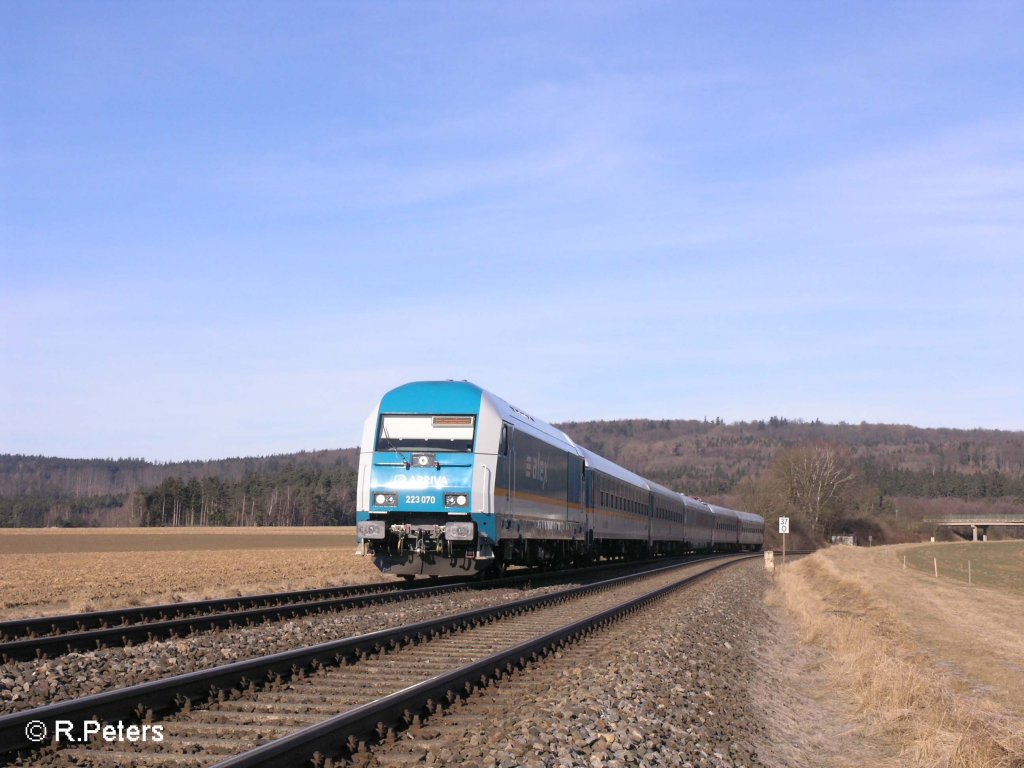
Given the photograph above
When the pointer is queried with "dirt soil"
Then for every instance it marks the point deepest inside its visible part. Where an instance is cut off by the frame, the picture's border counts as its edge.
(59, 571)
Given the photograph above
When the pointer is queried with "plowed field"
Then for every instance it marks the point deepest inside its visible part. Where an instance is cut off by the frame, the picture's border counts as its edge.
(58, 571)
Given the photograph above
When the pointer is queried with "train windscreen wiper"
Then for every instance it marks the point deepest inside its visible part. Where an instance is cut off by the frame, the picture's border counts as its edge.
(384, 434)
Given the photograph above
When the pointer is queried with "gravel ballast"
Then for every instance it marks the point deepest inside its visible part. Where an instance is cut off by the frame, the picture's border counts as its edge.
(27, 684)
(669, 686)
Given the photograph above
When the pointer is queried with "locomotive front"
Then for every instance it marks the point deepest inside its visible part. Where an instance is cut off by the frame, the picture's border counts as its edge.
(426, 487)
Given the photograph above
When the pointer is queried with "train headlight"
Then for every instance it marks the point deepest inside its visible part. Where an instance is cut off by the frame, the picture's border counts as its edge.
(456, 499)
(385, 499)
(424, 460)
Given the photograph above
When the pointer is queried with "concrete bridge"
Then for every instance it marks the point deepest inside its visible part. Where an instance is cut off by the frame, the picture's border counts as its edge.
(977, 522)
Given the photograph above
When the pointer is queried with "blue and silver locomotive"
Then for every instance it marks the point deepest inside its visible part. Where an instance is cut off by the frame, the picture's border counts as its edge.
(453, 479)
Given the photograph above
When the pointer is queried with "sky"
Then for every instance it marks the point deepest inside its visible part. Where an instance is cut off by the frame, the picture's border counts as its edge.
(226, 229)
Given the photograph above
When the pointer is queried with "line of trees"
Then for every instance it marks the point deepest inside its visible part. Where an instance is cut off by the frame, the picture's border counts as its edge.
(22, 475)
(293, 496)
(898, 481)
(54, 507)
(290, 496)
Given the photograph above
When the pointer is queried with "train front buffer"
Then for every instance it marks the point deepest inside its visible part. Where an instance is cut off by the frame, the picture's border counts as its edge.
(420, 516)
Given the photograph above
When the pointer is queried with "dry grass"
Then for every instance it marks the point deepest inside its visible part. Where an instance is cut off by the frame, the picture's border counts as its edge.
(911, 690)
(50, 572)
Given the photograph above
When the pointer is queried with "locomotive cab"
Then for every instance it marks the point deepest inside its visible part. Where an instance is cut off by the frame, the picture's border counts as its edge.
(424, 493)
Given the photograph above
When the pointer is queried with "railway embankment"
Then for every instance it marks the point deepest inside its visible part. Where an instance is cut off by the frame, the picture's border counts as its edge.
(926, 670)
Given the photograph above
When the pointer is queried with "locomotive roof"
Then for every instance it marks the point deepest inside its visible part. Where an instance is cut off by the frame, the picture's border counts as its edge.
(519, 417)
(464, 397)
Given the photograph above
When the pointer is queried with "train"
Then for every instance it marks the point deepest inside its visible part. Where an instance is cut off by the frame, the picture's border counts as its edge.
(455, 480)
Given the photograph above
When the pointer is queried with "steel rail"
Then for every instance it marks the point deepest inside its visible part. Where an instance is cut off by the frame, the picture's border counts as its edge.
(160, 696)
(33, 647)
(328, 738)
(37, 646)
(78, 622)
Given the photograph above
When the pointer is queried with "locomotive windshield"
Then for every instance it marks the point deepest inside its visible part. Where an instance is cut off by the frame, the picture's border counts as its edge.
(426, 433)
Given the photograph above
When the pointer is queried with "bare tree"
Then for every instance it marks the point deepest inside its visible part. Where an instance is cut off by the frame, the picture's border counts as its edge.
(815, 481)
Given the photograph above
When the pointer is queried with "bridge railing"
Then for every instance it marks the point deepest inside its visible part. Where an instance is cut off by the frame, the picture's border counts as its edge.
(1001, 519)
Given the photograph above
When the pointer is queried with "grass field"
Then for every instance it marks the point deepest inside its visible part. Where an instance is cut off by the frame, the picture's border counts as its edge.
(993, 564)
(56, 571)
(932, 667)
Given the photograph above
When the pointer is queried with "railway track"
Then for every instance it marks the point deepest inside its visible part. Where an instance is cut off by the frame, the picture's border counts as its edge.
(26, 639)
(23, 639)
(374, 681)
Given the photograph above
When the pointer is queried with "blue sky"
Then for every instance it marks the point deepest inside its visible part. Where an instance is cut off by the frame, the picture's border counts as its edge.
(227, 228)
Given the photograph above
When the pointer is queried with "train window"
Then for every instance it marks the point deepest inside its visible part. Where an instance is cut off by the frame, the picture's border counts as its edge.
(454, 432)
(503, 443)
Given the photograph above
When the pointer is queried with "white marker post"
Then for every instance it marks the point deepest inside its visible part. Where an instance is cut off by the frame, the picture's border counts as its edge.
(783, 529)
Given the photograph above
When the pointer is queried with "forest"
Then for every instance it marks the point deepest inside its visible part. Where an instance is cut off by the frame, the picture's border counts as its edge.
(886, 477)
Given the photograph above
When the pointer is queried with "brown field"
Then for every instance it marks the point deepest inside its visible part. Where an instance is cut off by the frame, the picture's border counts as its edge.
(56, 571)
(930, 671)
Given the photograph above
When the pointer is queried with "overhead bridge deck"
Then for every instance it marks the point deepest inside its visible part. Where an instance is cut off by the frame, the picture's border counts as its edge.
(977, 522)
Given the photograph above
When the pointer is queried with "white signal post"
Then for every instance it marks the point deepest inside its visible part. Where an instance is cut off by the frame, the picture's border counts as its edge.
(783, 529)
